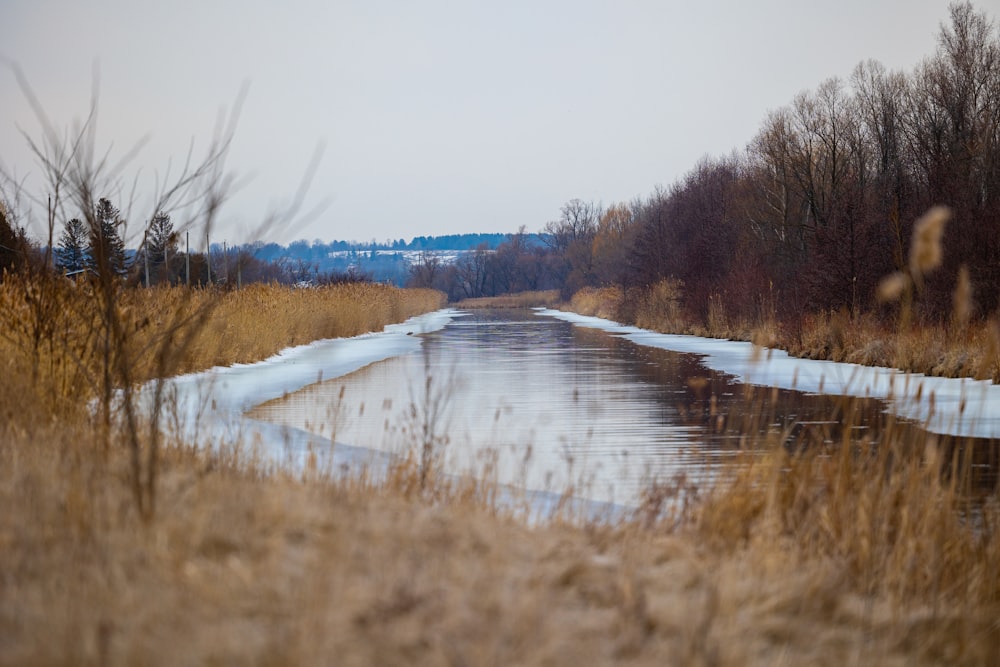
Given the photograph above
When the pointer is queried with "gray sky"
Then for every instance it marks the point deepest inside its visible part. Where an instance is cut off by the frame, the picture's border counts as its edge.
(437, 117)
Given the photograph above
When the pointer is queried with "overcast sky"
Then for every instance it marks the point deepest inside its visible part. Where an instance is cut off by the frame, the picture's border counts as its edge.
(437, 117)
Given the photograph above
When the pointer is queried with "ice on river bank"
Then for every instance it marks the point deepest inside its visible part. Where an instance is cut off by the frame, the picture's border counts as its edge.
(955, 406)
(210, 406)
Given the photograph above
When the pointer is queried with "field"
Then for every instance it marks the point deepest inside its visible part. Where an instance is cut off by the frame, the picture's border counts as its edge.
(827, 550)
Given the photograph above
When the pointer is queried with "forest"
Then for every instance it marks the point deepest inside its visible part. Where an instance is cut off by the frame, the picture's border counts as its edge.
(811, 215)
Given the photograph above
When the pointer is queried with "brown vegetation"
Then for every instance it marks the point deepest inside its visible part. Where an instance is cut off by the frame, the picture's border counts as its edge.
(957, 348)
(548, 299)
(929, 348)
(825, 550)
(804, 560)
(49, 330)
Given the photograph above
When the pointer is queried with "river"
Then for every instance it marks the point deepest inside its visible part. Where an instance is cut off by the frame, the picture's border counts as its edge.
(542, 404)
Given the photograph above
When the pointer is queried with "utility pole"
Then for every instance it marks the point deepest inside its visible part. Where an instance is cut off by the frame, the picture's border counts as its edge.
(187, 259)
(52, 226)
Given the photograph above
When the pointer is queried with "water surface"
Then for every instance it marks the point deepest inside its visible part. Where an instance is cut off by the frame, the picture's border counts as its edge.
(544, 405)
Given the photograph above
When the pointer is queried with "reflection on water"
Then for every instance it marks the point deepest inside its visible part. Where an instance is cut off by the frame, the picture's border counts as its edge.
(551, 405)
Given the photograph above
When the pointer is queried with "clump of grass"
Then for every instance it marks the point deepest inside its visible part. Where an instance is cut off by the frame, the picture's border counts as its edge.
(659, 307)
(257, 322)
(605, 302)
(224, 327)
(542, 298)
(902, 522)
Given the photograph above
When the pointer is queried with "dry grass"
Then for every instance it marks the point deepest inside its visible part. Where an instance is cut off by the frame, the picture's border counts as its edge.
(50, 332)
(972, 350)
(960, 348)
(603, 302)
(902, 525)
(828, 558)
(547, 298)
(824, 550)
(659, 307)
(257, 322)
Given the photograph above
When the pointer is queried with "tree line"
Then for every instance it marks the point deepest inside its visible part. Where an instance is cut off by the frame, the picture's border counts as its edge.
(815, 210)
(93, 241)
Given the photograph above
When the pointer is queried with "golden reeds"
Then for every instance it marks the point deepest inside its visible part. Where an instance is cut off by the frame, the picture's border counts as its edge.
(241, 327)
(925, 248)
(542, 298)
(605, 302)
(962, 304)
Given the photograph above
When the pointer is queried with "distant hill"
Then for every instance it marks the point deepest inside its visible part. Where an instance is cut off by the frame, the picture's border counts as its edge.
(453, 242)
(387, 261)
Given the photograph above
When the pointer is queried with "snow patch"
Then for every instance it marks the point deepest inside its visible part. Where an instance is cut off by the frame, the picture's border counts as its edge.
(953, 406)
(209, 406)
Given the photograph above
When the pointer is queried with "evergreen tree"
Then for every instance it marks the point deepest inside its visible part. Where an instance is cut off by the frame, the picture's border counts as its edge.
(160, 237)
(13, 242)
(160, 243)
(71, 254)
(106, 248)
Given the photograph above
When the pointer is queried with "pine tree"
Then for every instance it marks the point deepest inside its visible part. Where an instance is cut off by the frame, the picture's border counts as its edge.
(160, 238)
(160, 243)
(12, 242)
(106, 249)
(71, 254)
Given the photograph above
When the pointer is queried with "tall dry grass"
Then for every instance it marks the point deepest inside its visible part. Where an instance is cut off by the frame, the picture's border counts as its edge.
(76, 352)
(904, 525)
(256, 322)
(603, 302)
(57, 349)
(929, 348)
(546, 298)
(827, 548)
(659, 307)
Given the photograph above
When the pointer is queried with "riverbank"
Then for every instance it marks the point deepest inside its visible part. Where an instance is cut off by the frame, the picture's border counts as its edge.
(242, 567)
(969, 349)
(244, 564)
(544, 298)
(828, 557)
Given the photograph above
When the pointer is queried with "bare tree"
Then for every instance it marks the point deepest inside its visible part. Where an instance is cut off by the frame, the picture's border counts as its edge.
(426, 272)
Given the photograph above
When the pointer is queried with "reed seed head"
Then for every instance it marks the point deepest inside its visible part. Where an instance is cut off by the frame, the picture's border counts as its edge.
(962, 304)
(892, 286)
(925, 251)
